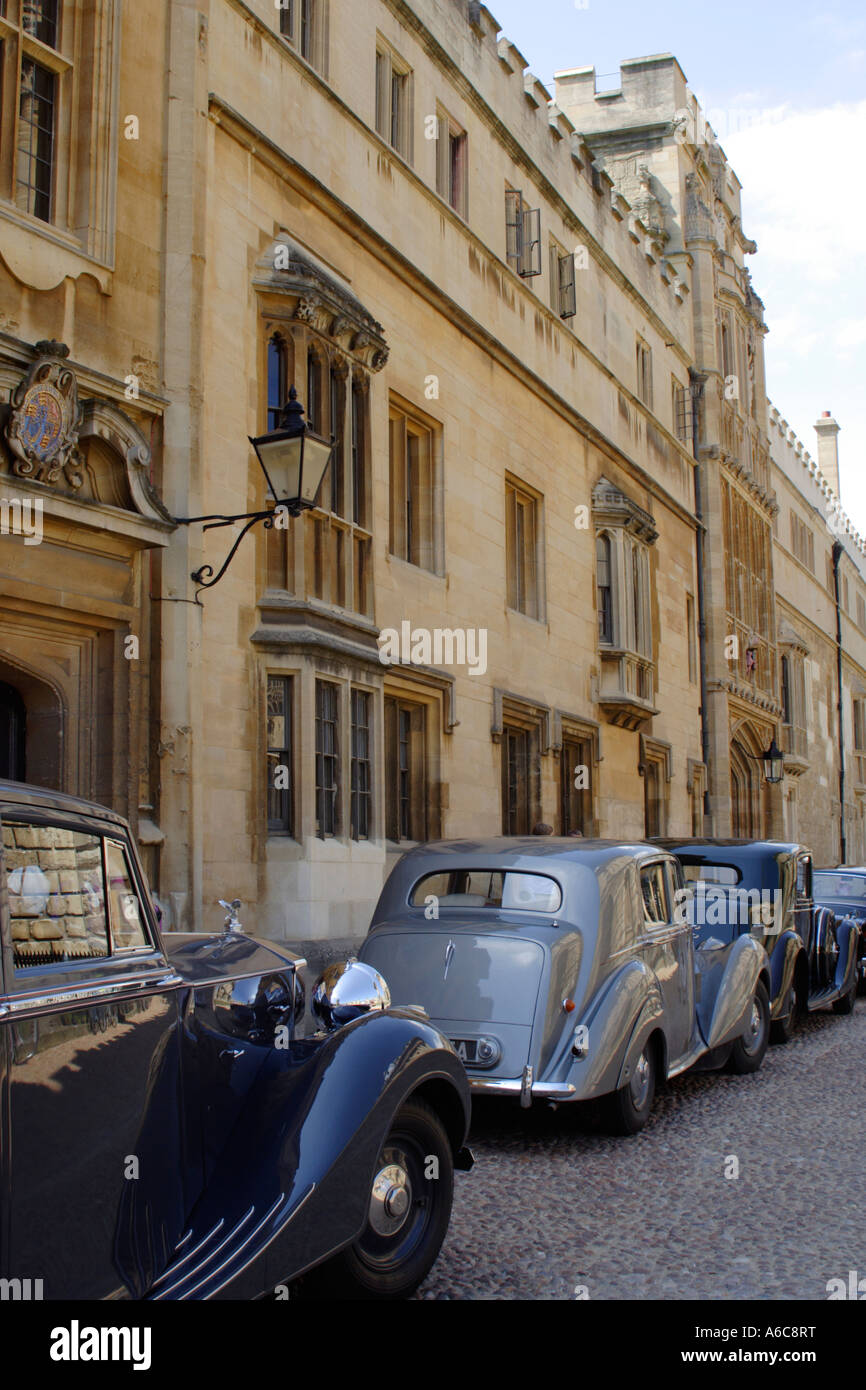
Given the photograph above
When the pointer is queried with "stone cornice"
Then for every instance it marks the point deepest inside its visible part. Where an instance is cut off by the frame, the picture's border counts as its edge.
(317, 298)
(743, 692)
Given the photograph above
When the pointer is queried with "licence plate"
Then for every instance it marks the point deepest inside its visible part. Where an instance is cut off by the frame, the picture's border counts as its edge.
(465, 1048)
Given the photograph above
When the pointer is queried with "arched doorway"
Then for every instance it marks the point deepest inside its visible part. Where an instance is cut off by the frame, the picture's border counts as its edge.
(31, 729)
(13, 734)
(745, 813)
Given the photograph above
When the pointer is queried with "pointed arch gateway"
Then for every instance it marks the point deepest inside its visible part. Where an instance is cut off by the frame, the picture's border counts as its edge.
(749, 812)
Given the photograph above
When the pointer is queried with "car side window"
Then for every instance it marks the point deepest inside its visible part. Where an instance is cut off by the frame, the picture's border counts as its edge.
(56, 895)
(125, 913)
(804, 876)
(653, 892)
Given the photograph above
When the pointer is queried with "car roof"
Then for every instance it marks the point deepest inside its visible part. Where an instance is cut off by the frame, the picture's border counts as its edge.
(26, 796)
(526, 852)
(742, 847)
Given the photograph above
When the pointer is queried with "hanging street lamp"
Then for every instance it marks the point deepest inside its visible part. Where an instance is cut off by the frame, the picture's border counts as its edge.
(774, 763)
(293, 461)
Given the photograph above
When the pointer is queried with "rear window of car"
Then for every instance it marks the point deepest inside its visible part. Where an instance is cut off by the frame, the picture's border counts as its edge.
(55, 883)
(725, 874)
(851, 887)
(469, 888)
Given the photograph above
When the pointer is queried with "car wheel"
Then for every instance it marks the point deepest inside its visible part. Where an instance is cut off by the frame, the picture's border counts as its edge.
(628, 1109)
(782, 1029)
(407, 1217)
(845, 1005)
(747, 1053)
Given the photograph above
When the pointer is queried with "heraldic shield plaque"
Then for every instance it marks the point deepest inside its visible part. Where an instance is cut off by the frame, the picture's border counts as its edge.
(45, 419)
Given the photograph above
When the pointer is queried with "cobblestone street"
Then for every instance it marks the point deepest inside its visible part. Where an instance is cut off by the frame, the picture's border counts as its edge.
(553, 1203)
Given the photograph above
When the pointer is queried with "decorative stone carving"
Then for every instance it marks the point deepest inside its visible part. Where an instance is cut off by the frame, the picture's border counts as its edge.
(647, 206)
(699, 219)
(44, 423)
(103, 420)
(306, 311)
(611, 507)
(318, 297)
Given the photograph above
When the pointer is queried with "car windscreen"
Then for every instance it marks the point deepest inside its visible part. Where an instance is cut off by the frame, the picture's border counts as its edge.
(469, 888)
(726, 875)
(849, 887)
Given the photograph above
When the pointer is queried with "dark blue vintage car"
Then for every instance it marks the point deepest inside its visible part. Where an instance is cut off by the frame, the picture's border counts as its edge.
(843, 892)
(764, 888)
(166, 1132)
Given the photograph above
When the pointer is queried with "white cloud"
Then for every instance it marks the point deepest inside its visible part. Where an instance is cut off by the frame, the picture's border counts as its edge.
(806, 211)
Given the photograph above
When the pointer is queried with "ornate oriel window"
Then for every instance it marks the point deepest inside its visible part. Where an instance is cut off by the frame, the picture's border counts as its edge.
(625, 534)
(792, 697)
(319, 338)
(748, 584)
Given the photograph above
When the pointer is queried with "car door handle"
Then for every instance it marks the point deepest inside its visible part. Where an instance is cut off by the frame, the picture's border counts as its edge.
(233, 1052)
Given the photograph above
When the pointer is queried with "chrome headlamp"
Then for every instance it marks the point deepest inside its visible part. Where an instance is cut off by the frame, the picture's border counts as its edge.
(346, 990)
(255, 1008)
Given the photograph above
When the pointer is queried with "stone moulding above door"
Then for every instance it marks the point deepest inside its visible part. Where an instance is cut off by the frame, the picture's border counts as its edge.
(47, 431)
(319, 298)
(103, 420)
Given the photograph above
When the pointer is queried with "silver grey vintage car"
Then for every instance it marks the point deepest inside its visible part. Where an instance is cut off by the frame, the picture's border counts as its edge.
(567, 970)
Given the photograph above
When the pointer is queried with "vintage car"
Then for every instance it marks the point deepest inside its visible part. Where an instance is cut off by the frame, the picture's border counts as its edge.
(564, 970)
(167, 1129)
(768, 885)
(843, 892)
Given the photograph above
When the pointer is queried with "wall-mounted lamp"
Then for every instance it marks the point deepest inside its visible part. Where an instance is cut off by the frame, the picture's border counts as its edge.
(293, 461)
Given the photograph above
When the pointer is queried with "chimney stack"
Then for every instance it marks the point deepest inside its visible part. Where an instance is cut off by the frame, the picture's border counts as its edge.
(827, 431)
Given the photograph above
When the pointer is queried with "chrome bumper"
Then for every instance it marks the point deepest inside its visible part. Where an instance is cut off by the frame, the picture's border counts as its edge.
(527, 1089)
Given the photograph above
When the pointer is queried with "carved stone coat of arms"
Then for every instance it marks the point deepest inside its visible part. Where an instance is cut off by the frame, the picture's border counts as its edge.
(45, 419)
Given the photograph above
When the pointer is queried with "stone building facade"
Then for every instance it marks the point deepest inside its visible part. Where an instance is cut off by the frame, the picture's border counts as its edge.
(81, 412)
(809, 523)
(651, 136)
(526, 324)
(390, 224)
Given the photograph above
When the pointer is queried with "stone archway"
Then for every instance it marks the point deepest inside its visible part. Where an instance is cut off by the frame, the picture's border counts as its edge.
(752, 816)
(744, 815)
(31, 728)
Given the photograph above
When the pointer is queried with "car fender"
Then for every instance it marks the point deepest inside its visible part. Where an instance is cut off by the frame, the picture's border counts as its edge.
(736, 989)
(292, 1184)
(783, 963)
(628, 1006)
(848, 941)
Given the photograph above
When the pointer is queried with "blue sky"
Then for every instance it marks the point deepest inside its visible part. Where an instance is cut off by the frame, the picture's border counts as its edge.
(785, 87)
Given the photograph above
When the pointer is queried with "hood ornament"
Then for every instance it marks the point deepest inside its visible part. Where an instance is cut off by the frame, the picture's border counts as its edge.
(233, 908)
(449, 956)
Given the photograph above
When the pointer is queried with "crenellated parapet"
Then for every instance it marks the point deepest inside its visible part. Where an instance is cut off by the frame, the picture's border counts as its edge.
(790, 454)
(629, 222)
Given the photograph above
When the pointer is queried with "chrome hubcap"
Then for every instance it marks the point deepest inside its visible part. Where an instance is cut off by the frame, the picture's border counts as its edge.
(754, 1029)
(640, 1080)
(390, 1199)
